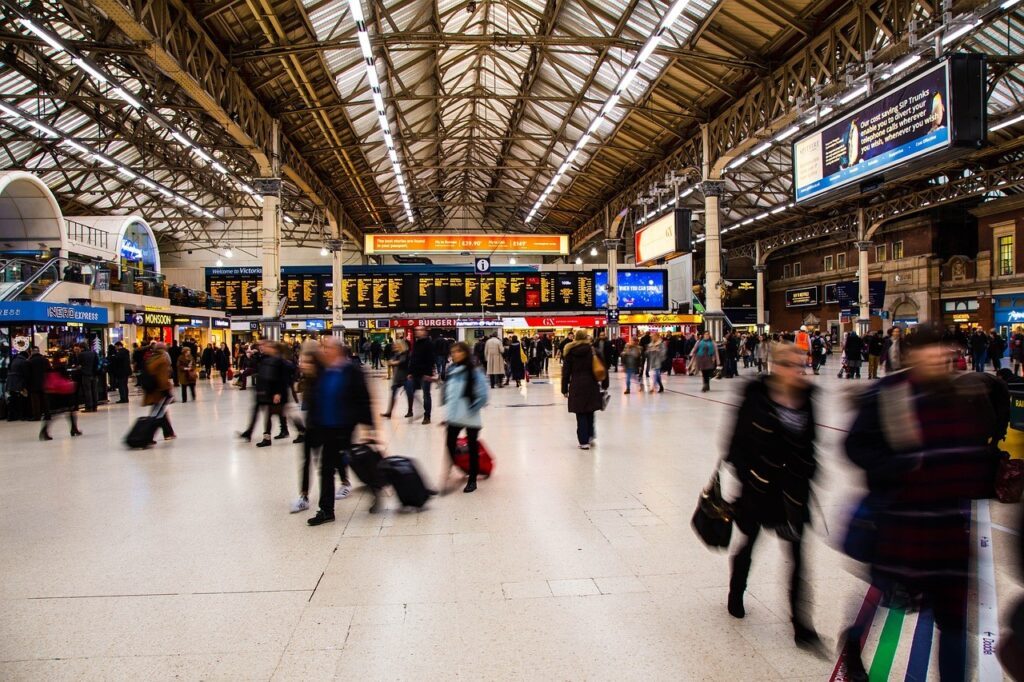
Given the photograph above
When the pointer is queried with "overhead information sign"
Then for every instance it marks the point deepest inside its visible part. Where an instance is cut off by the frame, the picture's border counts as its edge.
(539, 244)
(912, 120)
(666, 237)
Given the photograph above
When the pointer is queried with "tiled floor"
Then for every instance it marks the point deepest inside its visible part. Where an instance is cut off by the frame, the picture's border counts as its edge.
(183, 562)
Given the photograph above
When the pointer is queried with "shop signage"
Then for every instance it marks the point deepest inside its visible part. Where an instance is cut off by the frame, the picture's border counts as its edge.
(316, 325)
(804, 296)
(378, 324)
(1015, 316)
(668, 318)
(186, 321)
(130, 250)
(467, 243)
(613, 316)
(961, 317)
(236, 272)
(426, 322)
(245, 326)
(557, 321)
(41, 311)
(150, 319)
(219, 323)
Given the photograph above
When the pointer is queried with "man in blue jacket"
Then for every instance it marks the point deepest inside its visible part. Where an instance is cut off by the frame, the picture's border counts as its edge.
(337, 403)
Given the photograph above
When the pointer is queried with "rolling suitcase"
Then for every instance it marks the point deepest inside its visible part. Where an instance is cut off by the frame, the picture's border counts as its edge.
(364, 460)
(462, 457)
(403, 476)
(679, 365)
(143, 431)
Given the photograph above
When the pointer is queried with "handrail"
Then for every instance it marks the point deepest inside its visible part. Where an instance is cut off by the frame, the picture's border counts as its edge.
(87, 234)
(51, 267)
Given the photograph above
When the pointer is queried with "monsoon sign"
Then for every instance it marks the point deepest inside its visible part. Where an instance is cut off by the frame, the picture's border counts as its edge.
(908, 122)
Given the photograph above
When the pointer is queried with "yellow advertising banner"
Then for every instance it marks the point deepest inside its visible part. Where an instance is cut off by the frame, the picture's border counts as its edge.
(655, 318)
(546, 244)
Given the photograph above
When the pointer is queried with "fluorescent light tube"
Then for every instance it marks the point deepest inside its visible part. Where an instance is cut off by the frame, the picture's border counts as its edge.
(649, 48)
(963, 30)
(356, 10)
(736, 162)
(364, 44)
(121, 94)
(219, 168)
(760, 148)
(850, 96)
(787, 133)
(85, 66)
(1006, 123)
(46, 37)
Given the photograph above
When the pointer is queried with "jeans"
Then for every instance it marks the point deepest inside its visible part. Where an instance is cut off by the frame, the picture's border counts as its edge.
(415, 384)
(585, 427)
(334, 443)
(979, 361)
(657, 379)
(472, 445)
(741, 569)
(630, 374)
(439, 362)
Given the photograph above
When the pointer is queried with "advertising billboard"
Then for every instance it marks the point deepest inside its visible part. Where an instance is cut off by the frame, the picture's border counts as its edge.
(665, 237)
(638, 289)
(426, 244)
(932, 111)
(804, 296)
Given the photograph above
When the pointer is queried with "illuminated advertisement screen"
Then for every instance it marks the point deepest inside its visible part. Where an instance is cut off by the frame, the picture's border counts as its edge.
(905, 123)
(638, 289)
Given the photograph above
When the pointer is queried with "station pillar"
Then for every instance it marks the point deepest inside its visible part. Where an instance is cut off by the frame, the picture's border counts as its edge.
(612, 252)
(714, 318)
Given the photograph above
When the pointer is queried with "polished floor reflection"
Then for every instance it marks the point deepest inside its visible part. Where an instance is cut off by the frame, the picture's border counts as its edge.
(183, 561)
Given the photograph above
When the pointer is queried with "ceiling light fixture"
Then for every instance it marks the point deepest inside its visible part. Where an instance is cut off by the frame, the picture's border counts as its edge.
(579, 261)
(653, 41)
(1006, 123)
(45, 36)
(220, 263)
(356, 9)
(228, 253)
(960, 32)
(324, 251)
(593, 250)
(511, 260)
(848, 97)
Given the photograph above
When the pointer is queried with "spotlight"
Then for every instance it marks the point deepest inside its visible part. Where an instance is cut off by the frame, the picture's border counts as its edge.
(229, 253)
(324, 251)
(511, 260)
(220, 263)
(593, 250)
(579, 261)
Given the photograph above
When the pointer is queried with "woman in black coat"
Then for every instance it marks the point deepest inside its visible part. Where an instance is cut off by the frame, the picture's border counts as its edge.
(514, 357)
(222, 360)
(581, 386)
(772, 452)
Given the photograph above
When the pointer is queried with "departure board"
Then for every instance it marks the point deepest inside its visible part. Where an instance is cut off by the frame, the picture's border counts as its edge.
(310, 293)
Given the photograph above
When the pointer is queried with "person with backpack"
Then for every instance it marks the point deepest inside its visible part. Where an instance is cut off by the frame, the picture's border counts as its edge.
(465, 395)
(583, 385)
(705, 356)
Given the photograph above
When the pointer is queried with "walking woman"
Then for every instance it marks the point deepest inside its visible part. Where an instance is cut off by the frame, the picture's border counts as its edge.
(582, 387)
(514, 356)
(398, 366)
(465, 394)
(59, 392)
(186, 374)
(222, 360)
(772, 453)
(705, 356)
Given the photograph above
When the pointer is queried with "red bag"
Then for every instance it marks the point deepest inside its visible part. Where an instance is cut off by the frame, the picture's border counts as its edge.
(462, 457)
(231, 374)
(679, 365)
(961, 363)
(1010, 480)
(57, 384)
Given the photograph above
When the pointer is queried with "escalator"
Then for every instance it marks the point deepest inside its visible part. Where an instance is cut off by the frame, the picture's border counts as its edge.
(23, 279)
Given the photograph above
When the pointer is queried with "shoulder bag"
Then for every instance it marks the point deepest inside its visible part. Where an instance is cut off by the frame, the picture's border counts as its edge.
(713, 518)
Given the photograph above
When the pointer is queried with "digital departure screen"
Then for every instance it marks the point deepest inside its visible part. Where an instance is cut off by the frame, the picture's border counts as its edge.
(419, 292)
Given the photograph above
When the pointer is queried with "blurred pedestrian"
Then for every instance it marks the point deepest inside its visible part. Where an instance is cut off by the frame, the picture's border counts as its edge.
(465, 395)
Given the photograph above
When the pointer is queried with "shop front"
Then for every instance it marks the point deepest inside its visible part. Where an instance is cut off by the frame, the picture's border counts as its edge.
(962, 314)
(299, 331)
(1009, 314)
(220, 331)
(194, 329)
(635, 325)
(151, 326)
(559, 326)
(53, 327)
(245, 331)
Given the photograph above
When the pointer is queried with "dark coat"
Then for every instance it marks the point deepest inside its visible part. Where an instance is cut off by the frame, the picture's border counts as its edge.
(20, 375)
(925, 454)
(775, 463)
(222, 360)
(88, 362)
(121, 363)
(273, 377)
(208, 356)
(39, 365)
(578, 379)
(514, 355)
(421, 358)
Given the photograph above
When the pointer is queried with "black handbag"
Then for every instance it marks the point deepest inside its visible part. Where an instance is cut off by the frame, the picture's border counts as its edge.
(712, 520)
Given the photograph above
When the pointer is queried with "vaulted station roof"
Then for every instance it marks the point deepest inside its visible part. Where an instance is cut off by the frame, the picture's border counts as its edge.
(469, 114)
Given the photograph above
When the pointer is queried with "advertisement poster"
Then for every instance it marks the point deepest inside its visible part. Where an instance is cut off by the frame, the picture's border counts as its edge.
(638, 289)
(804, 296)
(906, 123)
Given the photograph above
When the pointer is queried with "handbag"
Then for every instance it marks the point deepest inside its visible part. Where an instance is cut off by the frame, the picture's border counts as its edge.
(58, 385)
(605, 399)
(600, 373)
(713, 518)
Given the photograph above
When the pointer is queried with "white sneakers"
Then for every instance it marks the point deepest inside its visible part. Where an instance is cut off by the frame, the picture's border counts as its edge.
(301, 504)
(342, 492)
(584, 447)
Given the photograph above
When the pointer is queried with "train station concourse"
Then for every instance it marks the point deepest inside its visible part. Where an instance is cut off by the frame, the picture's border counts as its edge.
(512, 340)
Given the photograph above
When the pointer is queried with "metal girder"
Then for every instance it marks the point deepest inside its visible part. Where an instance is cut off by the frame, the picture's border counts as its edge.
(177, 43)
(1008, 176)
(396, 41)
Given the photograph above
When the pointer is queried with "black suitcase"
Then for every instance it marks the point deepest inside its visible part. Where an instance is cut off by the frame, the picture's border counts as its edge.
(142, 433)
(364, 460)
(403, 476)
